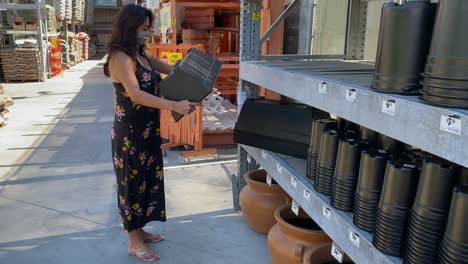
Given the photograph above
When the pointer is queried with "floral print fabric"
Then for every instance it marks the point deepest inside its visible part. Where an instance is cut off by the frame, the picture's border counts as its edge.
(137, 155)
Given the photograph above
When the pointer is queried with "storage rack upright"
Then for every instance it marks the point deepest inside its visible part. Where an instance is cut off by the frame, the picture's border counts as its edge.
(40, 32)
(346, 95)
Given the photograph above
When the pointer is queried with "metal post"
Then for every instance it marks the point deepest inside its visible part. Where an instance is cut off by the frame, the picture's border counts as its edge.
(306, 26)
(42, 51)
(250, 51)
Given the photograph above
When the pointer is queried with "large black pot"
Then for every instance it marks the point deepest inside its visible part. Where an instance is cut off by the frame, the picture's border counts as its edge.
(326, 162)
(446, 72)
(400, 183)
(318, 127)
(369, 187)
(346, 175)
(429, 212)
(404, 40)
(454, 248)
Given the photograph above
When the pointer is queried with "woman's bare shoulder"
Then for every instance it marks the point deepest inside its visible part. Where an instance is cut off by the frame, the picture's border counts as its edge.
(120, 57)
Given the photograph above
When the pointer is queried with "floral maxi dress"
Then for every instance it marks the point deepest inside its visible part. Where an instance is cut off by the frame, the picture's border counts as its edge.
(137, 155)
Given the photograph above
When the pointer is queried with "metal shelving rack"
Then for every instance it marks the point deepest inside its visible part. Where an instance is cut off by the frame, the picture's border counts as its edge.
(41, 32)
(345, 93)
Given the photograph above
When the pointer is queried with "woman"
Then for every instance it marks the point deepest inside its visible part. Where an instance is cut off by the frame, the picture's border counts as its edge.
(136, 140)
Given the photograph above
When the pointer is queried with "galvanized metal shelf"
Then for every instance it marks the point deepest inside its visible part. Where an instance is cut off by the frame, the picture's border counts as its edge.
(341, 88)
(337, 224)
(21, 32)
(18, 6)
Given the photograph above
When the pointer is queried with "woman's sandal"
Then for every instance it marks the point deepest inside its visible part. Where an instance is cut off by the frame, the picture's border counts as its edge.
(141, 254)
(156, 240)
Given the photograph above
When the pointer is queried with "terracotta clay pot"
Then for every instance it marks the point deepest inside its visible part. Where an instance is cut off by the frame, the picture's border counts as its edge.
(322, 255)
(293, 235)
(259, 201)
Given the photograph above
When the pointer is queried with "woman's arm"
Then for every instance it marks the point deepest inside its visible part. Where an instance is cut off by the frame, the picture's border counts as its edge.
(159, 65)
(122, 68)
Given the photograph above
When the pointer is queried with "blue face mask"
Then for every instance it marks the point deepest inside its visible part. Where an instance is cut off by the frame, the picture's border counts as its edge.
(142, 38)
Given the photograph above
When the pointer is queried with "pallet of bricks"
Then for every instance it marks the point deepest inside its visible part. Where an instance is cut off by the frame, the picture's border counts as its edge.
(215, 25)
(21, 64)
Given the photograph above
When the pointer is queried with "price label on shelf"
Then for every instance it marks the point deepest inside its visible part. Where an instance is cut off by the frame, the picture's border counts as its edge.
(264, 154)
(268, 180)
(450, 123)
(294, 182)
(351, 95)
(306, 195)
(279, 168)
(323, 88)
(295, 208)
(249, 159)
(326, 212)
(354, 238)
(337, 253)
(389, 107)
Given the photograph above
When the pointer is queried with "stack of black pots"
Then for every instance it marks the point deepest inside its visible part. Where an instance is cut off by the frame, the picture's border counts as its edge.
(326, 162)
(346, 175)
(318, 127)
(454, 246)
(429, 213)
(368, 138)
(446, 74)
(369, 187)
(404, 40)
(399, 187)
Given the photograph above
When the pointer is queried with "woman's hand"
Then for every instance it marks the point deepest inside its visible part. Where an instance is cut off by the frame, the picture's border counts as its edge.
(184, 107)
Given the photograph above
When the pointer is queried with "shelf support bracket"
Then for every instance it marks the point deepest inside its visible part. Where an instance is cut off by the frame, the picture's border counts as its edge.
(278, 21)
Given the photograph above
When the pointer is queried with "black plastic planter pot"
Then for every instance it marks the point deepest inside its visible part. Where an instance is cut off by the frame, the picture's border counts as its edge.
(447, 62)
(455, 238)
(397, 196)
(346, 125)
(369, 186)
(326, 162)
(288, 133)
(430, 208)
(368, 137)
(408, 29)
(318, 127)
(462, 177)
(389, 144)
(446, 101)
(399, 187)
(435, 186)
(346, 175)
(448, 56)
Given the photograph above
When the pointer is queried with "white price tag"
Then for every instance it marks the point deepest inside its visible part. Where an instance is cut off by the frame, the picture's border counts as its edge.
(294, 182)
(249, 159)
(323, 88)
(295, 208)
(354, 238)
(326, 212)
(279, 168)
(307, 195)
(351, 95)
(337, 253)
(389, 107)
(450, 123)
(268, 180)
(264, 154)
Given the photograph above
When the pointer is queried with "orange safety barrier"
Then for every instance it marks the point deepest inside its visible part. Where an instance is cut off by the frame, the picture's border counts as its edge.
(189, 130)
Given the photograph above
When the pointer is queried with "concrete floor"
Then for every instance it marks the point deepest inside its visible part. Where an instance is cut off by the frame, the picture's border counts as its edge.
(57, 186)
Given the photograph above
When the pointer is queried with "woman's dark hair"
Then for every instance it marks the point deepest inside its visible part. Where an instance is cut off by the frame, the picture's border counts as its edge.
(124, 29)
